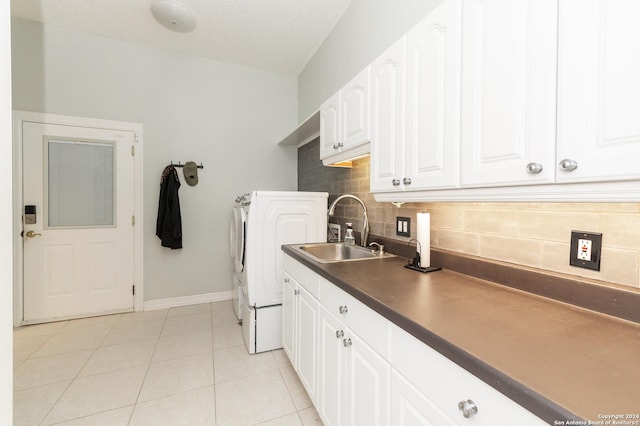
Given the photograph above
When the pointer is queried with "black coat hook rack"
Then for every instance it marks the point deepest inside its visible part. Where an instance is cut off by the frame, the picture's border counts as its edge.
(200, 166)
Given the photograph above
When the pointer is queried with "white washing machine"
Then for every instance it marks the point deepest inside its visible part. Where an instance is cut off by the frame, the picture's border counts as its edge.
(272, 218)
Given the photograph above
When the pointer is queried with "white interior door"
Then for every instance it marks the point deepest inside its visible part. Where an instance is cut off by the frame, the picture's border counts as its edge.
(79, 253)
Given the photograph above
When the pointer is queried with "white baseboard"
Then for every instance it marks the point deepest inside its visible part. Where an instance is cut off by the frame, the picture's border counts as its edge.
(173, 302)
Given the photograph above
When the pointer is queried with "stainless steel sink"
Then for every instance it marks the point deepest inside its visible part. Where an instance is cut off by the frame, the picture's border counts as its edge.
(339, 252)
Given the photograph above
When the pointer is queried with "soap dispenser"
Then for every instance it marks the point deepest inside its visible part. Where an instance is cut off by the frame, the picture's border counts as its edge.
(348, 236)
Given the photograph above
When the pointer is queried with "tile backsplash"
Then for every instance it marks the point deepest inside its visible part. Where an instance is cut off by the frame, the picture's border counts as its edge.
(528, 234)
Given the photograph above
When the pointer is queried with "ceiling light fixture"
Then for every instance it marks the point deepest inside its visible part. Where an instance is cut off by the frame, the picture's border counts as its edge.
(173, 15)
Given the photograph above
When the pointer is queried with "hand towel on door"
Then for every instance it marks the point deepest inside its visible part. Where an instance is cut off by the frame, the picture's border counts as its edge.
(169, 223)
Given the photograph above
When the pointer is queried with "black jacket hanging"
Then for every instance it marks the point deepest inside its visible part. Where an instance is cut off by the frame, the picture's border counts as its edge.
(169, 223)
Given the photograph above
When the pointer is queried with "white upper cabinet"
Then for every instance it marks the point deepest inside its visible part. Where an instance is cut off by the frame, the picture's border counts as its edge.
(485, 97)
(598, 90)
(433, 100)
(416, 86)
(509, 92)
(344, 121)
(354, 110)
(329, 132)
(388, 118)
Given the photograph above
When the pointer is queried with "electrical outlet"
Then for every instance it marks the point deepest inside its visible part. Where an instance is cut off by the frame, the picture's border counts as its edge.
(586, 249)
(403, 226)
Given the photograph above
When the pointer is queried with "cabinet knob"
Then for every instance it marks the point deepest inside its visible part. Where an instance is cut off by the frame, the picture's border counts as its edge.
(346, 342)
(286, 280)
(343, 309)
(338, 145)
(406, 181)
(296, 292)
(468, 408)
(339, 334)
(568, 165)
(396, 182)
(534, 168)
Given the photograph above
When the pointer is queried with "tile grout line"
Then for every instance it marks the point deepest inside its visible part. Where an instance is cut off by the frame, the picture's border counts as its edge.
(93, 375)
(287, 388)
(155, 347)
(76, 376)
(80, 369)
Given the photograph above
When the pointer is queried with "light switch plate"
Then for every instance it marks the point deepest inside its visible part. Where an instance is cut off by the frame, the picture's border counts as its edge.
(403, 226)
(334, 232)
(586, 250)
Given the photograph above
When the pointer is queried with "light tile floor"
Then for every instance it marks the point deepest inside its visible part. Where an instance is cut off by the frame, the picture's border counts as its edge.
(181, 366)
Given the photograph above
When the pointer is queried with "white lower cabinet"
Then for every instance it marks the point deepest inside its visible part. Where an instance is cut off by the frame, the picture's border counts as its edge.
(331, 366)
(409, 406)
(289, 318)
(307, 342)
(300, 332)
(360, 369)
(367, 384)
(354, 378)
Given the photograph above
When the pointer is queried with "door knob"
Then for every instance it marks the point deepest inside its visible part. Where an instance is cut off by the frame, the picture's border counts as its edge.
(32, 234)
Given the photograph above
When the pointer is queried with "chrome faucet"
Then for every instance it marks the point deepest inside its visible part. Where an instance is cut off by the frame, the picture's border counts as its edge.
(365, 218)
(379, 246)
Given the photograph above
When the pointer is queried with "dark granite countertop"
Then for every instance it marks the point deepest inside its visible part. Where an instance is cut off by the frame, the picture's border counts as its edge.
(560, 361)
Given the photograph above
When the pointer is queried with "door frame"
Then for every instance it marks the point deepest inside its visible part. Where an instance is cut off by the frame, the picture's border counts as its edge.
(20, 117)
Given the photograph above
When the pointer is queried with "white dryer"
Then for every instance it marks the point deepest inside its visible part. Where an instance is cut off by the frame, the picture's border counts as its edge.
(237, 241)
(273, 218)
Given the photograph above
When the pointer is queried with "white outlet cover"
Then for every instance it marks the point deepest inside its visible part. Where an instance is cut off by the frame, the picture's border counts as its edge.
(584, 250)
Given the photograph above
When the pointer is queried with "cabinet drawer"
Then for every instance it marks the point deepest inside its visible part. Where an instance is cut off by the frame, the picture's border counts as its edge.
(446, 384)
(362, 320)
(303, 275)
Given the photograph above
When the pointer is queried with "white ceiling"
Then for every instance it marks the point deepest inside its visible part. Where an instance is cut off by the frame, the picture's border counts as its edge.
(275, 35)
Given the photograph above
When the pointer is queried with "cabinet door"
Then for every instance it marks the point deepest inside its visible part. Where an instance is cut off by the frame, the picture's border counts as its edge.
(508, 92)
(354, 111)
(331, 369)
(289, 317)
(433, 100)
(307, 342)
(367, 385)
(410, 407)
(599, 90)
(387, 118)
(329, 131)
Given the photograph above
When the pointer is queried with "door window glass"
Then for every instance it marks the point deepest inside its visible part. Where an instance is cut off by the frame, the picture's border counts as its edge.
(80, 183)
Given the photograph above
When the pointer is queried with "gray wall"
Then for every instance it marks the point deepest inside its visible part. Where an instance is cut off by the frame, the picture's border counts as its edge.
(365, 30)
(228, 117)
